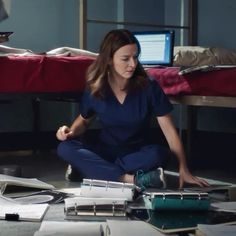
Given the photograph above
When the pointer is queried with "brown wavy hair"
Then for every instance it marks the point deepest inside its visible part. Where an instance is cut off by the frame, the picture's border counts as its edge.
(97, 75)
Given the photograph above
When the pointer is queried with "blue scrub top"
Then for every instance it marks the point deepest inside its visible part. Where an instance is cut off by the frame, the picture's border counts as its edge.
(128, 123)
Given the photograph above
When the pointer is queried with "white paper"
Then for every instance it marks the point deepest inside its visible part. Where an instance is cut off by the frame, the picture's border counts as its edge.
(130, 227)
(224, 206)
(70, 228)
(31, 212)
(26, 212)
(25, 182)
(217, 230)
(73, 191)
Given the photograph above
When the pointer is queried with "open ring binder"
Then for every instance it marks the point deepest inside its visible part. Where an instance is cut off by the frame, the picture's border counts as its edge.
(178, 200)
(109, 189)
(80, 206)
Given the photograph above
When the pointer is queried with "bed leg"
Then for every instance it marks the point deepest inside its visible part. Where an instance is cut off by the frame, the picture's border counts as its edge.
(36, 123)
(191, 128)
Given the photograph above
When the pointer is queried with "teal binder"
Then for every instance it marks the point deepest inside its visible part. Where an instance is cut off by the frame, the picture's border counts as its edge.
(178, 200)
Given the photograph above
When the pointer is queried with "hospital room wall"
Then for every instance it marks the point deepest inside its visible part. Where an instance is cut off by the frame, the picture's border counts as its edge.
(39, 26)
(44, 25)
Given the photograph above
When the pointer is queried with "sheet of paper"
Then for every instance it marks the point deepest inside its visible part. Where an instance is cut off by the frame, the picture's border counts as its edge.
(26, 212)
(26, 182)
(224, 206)
(217, 230)
(132, 227)
(70, 228)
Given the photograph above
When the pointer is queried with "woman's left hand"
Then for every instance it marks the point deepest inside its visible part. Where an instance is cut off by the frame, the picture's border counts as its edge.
(186, 177)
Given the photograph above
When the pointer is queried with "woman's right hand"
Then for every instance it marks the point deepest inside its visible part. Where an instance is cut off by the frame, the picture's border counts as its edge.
(63, 133)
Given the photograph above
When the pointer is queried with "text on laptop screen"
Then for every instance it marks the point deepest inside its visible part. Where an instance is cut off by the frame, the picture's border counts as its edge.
(156, 47)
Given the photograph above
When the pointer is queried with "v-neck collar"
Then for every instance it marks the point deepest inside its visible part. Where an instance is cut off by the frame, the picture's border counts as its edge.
(115, 97)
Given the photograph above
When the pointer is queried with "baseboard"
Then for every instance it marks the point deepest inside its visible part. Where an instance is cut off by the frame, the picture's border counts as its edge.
(28, 140)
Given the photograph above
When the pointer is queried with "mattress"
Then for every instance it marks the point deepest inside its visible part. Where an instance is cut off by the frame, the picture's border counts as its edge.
(58, 74)
(43, 74)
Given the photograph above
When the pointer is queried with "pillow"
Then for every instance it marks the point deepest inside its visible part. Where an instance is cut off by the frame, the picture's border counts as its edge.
(224, 56)
(199, 56)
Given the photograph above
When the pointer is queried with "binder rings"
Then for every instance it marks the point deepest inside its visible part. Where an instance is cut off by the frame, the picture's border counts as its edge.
(77, 207)
(107, 189)
(178, 200)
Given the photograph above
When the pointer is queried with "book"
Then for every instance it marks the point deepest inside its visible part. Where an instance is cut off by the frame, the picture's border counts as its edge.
(62, 228)
(224, 206)
(215, 230)
(177, 200)
(13, 211)
(7, 180)
(181, 221)
(109, 189)
(130, 227)
(80, 207)
(4, 36)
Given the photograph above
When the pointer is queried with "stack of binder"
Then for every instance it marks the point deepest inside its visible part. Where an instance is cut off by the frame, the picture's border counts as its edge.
(100, 199)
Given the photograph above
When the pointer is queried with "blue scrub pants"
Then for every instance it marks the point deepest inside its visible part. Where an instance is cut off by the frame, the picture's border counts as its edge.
(110, 162)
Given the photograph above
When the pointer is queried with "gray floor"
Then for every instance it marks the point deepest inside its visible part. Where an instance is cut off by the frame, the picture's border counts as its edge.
(44, 165)
(48, 168)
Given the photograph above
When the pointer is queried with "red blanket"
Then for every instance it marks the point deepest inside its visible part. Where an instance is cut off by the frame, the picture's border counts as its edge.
(25, 74)
(220, 82)
(41, 74)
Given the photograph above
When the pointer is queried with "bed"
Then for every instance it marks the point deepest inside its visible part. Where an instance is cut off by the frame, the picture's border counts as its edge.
(59, 75)
(65, 74)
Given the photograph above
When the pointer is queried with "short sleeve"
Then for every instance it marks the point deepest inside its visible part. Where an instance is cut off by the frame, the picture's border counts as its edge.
(160, 104)
(86, 105)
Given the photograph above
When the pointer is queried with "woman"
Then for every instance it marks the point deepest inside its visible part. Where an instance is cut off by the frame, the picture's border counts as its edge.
(123, 98)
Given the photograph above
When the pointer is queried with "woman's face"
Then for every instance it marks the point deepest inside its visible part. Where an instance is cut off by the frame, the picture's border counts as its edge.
(125, 61)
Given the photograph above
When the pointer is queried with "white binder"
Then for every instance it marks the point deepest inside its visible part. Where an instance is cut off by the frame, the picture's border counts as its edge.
(107, 189)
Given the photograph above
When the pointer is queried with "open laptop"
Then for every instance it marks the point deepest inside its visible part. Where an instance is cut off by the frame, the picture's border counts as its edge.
(157, 47)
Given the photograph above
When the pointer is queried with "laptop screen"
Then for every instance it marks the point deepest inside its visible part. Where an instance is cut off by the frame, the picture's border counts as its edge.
(156, 47)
